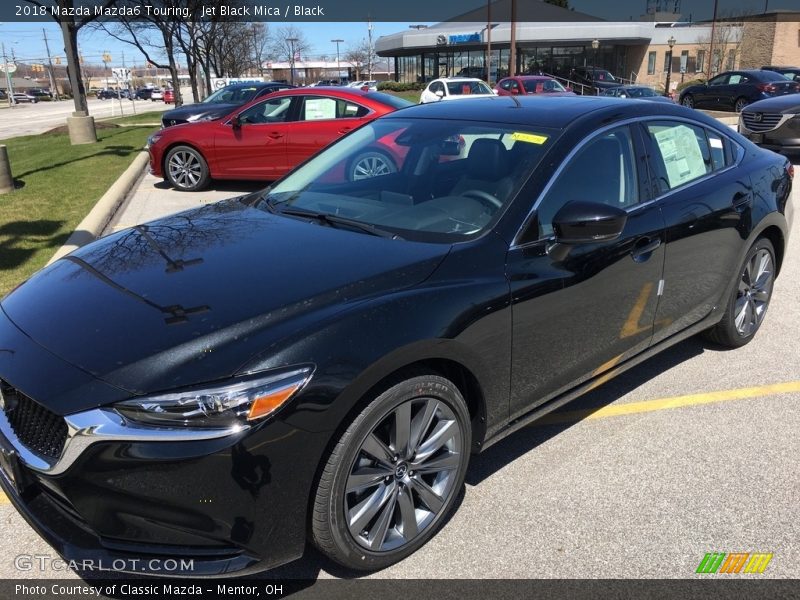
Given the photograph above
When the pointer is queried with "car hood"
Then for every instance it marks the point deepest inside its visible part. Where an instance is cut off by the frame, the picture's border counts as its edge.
(195, 296)
(789, 104)
(197, 111)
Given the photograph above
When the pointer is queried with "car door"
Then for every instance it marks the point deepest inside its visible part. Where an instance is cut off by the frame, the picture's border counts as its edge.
(704, 200)
(708, 97)
(579, 310)
(256, 148)
(321, 120)
(739, 85)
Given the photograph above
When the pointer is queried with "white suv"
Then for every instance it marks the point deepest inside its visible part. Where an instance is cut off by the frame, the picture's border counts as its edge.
(454, 88)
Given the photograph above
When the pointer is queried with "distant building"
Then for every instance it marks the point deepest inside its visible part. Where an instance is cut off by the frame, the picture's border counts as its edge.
(553, 40)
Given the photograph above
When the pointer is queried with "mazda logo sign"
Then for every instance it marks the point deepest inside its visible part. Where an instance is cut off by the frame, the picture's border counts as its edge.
(758, 117)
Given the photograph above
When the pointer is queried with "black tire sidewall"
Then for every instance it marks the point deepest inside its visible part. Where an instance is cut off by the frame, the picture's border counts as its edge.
(350, 553)
(729, 320)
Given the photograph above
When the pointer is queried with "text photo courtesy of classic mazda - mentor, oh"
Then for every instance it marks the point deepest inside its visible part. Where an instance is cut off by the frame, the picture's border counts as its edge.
(331, 351)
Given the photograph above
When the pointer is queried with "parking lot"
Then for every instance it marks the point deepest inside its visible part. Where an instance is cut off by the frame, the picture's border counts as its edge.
(694, 451)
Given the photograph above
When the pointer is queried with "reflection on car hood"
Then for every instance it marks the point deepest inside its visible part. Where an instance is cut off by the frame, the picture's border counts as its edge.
(195, 111)
(789, 104)
(146, 309)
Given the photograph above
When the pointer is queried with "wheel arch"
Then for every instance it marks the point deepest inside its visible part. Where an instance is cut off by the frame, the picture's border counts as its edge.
(195, 147)
(774, 234)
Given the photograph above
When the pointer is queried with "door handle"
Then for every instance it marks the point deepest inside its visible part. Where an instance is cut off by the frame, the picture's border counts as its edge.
(741, 200)
(644, 248)
(276, 135)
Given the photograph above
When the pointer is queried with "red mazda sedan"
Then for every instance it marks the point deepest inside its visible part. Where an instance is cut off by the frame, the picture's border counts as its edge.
(531, 84)
(267, 138)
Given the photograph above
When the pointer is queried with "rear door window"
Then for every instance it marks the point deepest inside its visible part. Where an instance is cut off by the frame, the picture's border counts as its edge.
(682, 153)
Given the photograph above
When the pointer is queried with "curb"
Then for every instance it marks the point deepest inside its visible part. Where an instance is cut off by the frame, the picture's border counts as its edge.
(99, 217)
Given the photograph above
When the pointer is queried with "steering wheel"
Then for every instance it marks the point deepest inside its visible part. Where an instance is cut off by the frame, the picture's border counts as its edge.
(484, 197)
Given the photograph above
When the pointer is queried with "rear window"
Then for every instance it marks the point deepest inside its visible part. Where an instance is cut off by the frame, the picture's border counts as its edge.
(458, 88)
(771, 76)
(389, 100)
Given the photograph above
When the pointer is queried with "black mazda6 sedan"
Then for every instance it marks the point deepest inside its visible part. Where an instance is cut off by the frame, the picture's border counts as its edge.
(318, 361)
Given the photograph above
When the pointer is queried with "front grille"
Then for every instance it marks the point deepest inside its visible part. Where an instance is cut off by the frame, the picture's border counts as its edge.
(761, 121)
(41, 430)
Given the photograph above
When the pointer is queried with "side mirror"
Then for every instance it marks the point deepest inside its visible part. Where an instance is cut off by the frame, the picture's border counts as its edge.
(439, 94)
(236, 123)
(586, 222)
(515, 91)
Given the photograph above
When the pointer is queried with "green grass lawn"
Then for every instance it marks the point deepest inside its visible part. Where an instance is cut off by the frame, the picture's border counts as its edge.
(57, 186)
(146, 118)
(411, 96)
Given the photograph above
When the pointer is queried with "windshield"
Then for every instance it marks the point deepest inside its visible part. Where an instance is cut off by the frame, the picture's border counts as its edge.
(458, 88)
(420, 179)
(232, 95)
(543, 86)
(639, 92)
(389, 100)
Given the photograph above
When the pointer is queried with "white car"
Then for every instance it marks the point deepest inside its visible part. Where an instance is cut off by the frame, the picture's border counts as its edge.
(355, 84)
(157, 95)
(455, 88)
(372, 86)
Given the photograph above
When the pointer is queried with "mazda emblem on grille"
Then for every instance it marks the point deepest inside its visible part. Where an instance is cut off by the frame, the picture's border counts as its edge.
(758, 117)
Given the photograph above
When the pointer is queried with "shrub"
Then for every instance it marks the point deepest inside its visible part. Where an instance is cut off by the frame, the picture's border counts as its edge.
(396, 86)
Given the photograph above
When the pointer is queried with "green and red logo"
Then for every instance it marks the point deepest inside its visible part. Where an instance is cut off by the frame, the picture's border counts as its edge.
(734, 562)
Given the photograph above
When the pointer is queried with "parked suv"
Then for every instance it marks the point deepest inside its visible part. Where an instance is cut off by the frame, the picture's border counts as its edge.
(594, 77)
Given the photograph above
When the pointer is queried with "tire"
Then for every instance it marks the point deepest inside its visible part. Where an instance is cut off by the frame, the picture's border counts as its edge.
(748, 304)
(372, 163)
(371, 508)
(688, 101)
(186, 169)
(740, 104)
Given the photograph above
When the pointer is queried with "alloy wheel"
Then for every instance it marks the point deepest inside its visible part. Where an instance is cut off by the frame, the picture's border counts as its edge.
(185, 169)
(688, 102)
(403, 474)
(371, 165)
(755, 288)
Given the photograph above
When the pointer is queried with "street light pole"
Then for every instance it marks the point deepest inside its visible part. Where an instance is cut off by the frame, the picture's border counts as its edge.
(670, 43)
(10, 88)
(595, 46)
(291, 73)
(338, 65)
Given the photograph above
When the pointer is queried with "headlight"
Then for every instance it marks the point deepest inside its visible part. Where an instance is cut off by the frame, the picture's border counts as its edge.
(236, 403)
(202, 118)
(153, 139)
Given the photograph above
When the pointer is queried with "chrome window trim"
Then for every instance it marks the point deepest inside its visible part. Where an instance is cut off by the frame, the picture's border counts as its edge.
(740, 152)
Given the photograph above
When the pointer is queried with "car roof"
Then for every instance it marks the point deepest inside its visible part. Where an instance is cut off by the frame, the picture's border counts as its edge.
(530, 77)
(457, 79)
(556, 113)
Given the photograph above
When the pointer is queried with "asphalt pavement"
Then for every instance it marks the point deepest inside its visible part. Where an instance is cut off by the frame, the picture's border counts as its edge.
(33, 119)
(691, 452)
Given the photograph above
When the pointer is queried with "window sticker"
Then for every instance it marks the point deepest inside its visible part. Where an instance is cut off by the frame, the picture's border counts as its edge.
(531, 138)
(320, 108)
(715, 142)
(681, 152)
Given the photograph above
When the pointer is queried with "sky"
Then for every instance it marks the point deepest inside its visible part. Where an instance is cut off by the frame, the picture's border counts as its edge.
(26, 40)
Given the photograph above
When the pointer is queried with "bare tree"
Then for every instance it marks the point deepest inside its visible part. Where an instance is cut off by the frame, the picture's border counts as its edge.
(362, 57)
(154, 35)
(282, 46)
(261, 45)
(723, 46)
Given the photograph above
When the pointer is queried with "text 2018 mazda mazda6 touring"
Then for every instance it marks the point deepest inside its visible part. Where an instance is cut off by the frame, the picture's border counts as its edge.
(318, 361)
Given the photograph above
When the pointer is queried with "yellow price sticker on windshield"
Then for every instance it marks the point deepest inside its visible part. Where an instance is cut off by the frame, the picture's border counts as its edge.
(531, 138)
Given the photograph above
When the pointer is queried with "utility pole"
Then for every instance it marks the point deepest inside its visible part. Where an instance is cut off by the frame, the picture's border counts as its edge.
(338, 65)
(369, 49)
(711, 49)
(512, 56)
(53, 86)
(489, 42)
(10, 87)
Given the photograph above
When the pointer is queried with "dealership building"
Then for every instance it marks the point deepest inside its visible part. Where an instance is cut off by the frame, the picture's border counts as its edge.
(554, 40)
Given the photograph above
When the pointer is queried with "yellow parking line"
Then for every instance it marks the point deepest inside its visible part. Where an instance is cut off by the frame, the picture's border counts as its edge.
(616, 410)
(4, 499)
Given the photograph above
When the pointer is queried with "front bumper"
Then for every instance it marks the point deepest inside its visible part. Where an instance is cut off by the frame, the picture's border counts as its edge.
(786, 136)
(231, 504)
(234, 505)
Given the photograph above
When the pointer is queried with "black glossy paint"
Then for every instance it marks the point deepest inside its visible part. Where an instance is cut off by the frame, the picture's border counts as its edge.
(517, 322)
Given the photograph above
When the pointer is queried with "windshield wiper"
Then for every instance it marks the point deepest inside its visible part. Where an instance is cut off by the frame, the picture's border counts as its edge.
(336, 220)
